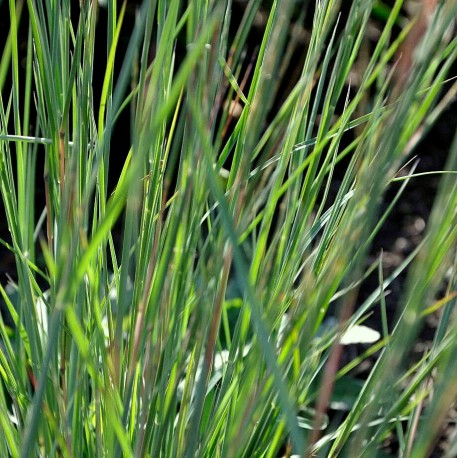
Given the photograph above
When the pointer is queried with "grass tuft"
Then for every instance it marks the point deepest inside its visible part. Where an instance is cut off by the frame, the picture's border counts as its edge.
(191, 229)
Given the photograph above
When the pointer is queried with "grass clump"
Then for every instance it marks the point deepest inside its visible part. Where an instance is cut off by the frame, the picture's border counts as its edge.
(212, 326)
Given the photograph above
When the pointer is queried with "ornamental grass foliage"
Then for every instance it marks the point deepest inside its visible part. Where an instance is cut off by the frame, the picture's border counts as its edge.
(190, 231)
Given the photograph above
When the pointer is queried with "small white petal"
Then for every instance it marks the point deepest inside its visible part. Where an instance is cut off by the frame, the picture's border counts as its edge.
(359, 335)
